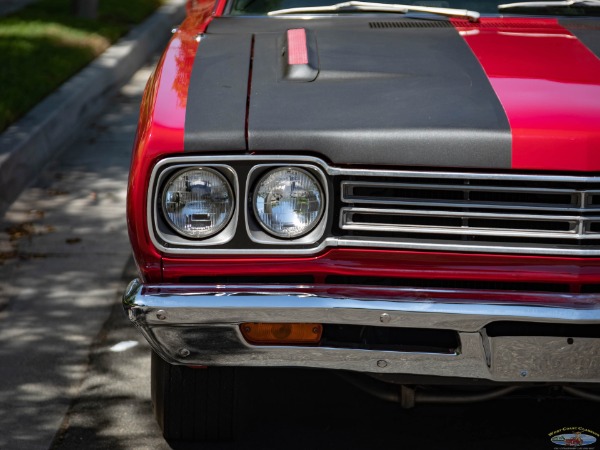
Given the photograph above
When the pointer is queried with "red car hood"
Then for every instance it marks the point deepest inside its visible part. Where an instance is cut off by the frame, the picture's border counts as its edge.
(498, 94)
(548, 81)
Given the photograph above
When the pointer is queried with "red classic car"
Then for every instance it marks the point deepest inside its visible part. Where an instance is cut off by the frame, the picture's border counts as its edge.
(408, 195)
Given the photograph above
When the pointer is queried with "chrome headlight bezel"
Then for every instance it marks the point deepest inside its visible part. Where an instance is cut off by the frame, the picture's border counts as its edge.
(256, 232)
(164, 234)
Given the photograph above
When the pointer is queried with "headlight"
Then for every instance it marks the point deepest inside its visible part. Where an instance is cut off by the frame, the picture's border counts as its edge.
(288, 202)
(198, 202)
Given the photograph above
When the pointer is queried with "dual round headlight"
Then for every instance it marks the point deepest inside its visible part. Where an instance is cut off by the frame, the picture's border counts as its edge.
(288, 202)
(198, 202)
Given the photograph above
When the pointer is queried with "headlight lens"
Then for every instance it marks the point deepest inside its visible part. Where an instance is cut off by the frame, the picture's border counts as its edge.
(288, 202)
(198, 202)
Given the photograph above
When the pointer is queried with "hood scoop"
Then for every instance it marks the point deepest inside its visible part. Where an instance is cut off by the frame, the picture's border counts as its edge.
(299, 57)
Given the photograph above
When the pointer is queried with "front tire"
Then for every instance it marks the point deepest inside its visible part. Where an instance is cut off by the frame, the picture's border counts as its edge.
(197, 404)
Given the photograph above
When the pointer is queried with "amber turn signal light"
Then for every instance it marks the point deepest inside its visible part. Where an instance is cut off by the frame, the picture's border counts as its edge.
(282, 333)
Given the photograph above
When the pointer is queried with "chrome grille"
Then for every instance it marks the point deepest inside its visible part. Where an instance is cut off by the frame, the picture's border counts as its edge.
(475, 208)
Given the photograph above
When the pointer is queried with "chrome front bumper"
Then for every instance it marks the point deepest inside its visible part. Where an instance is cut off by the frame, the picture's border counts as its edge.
(199, 325)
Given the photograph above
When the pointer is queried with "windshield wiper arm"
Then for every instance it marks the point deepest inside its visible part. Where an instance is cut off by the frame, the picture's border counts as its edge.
(550, 4)
(473, 16)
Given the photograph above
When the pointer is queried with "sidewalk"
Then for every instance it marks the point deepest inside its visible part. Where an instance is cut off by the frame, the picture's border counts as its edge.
(63, 235)
(28, 145)
(65, 248)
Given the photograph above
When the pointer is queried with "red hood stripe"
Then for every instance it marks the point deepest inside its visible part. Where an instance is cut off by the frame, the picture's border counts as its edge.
(549, 85)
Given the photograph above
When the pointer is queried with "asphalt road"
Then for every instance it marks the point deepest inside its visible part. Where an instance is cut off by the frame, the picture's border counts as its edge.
(75, 372)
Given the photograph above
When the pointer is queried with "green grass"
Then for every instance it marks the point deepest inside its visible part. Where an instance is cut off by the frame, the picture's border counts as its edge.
(44, 44)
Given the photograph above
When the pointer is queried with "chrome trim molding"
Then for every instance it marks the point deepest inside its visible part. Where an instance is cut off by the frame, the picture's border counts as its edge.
(198, 325)
(575, 215)
(347, 223)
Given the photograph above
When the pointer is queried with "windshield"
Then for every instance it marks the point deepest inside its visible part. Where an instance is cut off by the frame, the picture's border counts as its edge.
(490, 7)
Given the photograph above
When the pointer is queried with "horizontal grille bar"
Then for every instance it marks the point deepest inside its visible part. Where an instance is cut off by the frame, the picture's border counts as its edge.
(472, 196)
(454, 222)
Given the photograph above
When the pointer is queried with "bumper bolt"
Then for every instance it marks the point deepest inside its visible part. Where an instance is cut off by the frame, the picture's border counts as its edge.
(184, 353)
(381, 363)
(385, 318)
(524, 373)
(161, 315)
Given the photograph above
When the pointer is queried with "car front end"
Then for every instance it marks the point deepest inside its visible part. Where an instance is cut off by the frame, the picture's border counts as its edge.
(406, 200)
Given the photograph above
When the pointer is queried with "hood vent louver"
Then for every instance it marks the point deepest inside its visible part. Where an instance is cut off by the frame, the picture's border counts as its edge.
(516, 23)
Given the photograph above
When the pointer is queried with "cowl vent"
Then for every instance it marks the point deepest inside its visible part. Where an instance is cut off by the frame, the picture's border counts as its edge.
(411, 24)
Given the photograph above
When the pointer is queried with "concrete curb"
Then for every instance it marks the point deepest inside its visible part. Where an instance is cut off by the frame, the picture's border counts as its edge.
(28, 145)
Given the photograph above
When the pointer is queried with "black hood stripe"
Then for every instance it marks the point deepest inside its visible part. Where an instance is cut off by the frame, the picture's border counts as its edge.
(393, 96)
(215, 117)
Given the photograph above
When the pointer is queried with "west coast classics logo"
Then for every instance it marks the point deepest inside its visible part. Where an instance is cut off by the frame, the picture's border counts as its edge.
(574, 437)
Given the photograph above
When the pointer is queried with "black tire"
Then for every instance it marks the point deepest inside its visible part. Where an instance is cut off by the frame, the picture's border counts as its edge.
(194, 404)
